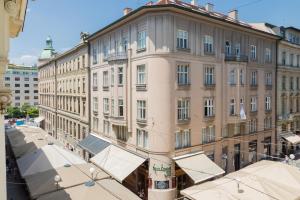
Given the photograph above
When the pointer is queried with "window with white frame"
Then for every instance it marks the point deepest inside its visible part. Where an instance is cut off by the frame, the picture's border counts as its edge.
(105, 51)
(105, 79)
(209, 78)
(121, 107)
(105, 105)
(237, 49)
(141, 110)
(253, 52)
(208, 44)
(227, 48)
(95, 81)
(232, 110)
(95, 104)
(142, 138)
(268, 78)
(120, 75)
(141, 40)
(291, 60)
(253, 104)
(183, 139)
(254, 78)
(232, 77)
(291, 83)
(283, 83)
(208, 134)
(121, 133)
(106, 127)
(268, 55)
(298, 83)
(253, 125)
(208, 107)
(183, 109)
(242, 77)
(112, 107)
(94, 53)
(268, 122)
(141, 75)
(283, 58)
(95, 123)
(183, 74)
(182, 39)
(268, 103)
(112, 76)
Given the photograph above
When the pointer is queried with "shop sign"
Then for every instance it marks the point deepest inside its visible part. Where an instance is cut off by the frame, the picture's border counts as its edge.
(166, 170)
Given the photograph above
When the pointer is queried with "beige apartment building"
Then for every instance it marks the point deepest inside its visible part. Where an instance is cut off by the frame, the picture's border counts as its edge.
(63, 87)
(176, 83)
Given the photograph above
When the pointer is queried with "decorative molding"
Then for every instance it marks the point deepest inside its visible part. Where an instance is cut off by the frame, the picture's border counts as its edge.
(5, 99)
(11, 7)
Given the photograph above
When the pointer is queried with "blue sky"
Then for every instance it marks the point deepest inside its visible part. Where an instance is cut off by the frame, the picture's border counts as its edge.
(63, 20)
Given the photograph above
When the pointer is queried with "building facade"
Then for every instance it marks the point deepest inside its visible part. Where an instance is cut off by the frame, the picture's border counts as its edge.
(23, 82)
(171, 78)
(12, 16)
(63, 87)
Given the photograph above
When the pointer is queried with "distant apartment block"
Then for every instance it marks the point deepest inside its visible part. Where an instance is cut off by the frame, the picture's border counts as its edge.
(23, 82)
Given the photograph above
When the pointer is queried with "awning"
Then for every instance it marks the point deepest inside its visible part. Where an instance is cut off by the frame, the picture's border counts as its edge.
(292, 138)
(117, 162)
(198, 167)
(93, 144)
(39, 119)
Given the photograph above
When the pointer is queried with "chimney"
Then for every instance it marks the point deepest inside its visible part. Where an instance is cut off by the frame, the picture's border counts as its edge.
(126, 11)
(194, 2)
(209, 7)
(233, 14)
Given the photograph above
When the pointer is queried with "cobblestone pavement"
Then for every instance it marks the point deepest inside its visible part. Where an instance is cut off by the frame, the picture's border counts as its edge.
(16, 188)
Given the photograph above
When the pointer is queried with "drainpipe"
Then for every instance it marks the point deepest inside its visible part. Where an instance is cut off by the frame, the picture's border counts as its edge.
(276, 123)
(89, 87)
(55, 96)
(129, 92)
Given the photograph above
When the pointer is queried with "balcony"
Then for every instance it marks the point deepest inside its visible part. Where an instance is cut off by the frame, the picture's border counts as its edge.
(117, 56)
(236, 58)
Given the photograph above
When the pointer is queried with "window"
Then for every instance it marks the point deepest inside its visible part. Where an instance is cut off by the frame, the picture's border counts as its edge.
(141, 75)
(183, 74)
(297, 83)
(253, 104)
(183, 109)
(298, 60)
(232, 110)
(209, 107)
(183, 139)
(291, 83)
(35, 79)
(242, 77)
(268, 103)
(7, 85)
(7, 78)
(27, 97)
(268, 122)
(105, 52)
(209, 78)
(120, 108)
(105, 105)
(141, 110)
(268, 55)
(105, 79)
(35, 91)
(95, 82)
(268, 79)
(120, 75)
(95, 123)
(17, 98)
(238, 49)
(254, 78)
(83, 61)
(142, 138)
(141, 43)
(106, 127)
(26, 85)
(112, 76)
(291, 60)
(17, 104)
(26, 91)
(112, 107)
(182, 39)
(208, 134)
(17, 85)
(26, 78)
(95, 57)
(283, 86)
(35, 85)
(232, 77)
(253, 125)
(208, 44)
(95, 104)
(121, 133)
(253, 52)
(36, 97)
(283, 58)
(227, 48)
(17, 78)
(17, 91)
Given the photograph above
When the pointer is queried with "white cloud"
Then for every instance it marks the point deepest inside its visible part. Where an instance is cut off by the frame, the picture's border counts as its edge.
(25, 60)
(64, 49)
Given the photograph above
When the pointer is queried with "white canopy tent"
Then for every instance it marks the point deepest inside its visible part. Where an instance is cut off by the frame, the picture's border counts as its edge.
(46, 158)
(292, 138)
(264, 180)
(118, 162)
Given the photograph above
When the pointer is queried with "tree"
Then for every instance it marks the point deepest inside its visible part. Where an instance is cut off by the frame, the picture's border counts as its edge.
(25, 108)
(33, 112)
(9, 111)
(16, 112)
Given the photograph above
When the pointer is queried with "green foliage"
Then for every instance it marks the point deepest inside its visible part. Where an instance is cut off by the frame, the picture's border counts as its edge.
(25, 110)
(33, 112)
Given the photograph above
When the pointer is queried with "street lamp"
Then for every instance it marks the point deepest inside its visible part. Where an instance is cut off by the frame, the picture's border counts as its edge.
(57, 179)
(91, 182)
